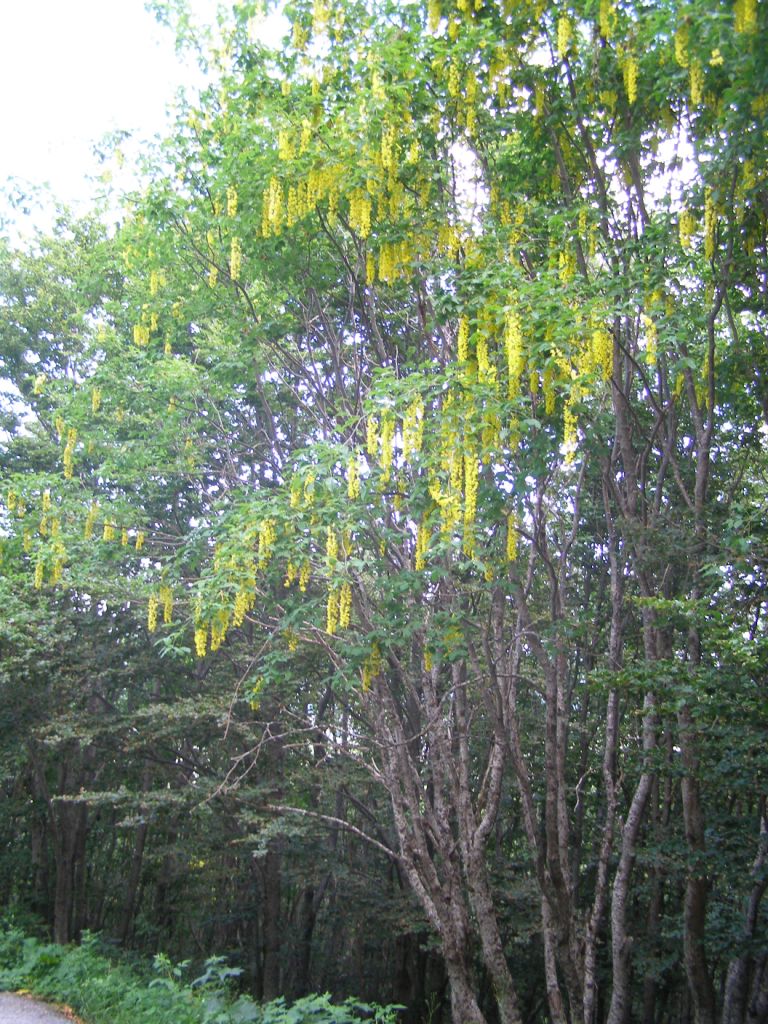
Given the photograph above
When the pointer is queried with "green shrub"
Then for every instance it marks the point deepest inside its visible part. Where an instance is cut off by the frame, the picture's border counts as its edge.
(103, 992)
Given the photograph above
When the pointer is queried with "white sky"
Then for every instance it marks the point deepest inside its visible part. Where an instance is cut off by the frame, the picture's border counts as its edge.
(73, 70)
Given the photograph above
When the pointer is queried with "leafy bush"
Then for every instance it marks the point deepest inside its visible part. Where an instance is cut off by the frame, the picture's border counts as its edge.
(103, 992)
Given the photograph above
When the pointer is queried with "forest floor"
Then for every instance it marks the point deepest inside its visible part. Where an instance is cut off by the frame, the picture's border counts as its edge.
(20, 1009)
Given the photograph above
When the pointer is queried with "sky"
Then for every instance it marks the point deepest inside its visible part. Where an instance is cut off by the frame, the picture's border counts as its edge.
(72, 71)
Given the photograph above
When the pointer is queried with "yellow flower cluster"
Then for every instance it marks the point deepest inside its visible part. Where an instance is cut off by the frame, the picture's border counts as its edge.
(69, 451)
(231, 201)
(305, 574)
(140, 538)
(141, 335)
(413, 428)
(345, 605)
(219, 627)
(387, 439)
(332, 612)
(651, 338)
(681, 46)
(607, 18)
(90, 521)
(267, 538)
(696, 82)
(285, 146)
(372, 666)
(422, 546)
(433, 15)
(710, 225)
(394, 260)
(331, 548)
(372, 436)
(462, 340)
(570, 437)
(95, 400)
(602, 351)
(745, 16)
(152, 605)
(470, 501)
(686, 227)
(353, 479)
(360, 213)
(512, 527)
(321, 14)
(235, 259)
(108, 533)
(513, 343)
(166, 596)
(564, 33)
(272, 209)
(201, 639)
(629, 72)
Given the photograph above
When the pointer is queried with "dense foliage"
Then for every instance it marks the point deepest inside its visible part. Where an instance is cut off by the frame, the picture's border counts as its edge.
(87, 981)
(418, 406)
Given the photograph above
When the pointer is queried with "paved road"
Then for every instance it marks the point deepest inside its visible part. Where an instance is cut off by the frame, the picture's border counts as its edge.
(21, 1010)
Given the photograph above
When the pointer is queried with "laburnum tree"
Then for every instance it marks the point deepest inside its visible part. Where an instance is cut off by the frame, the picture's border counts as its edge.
(438, 360)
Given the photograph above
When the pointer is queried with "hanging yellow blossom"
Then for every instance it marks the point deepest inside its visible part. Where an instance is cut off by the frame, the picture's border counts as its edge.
(681, 46)
(140, 538)
(39, 571)
(353, 479)
(267, 538)
(512, 537)
(629, 72)
(462, 340)
(152, 613)
(235, 259)
(570, 437)
(696, 82)
(331, 547)
(345, 605)
(140, 335)
(304, 575)
(124, 538)
(231, 201)
(166, 596)
(607, 18)
(241, 609)
(602, 351)
(413, 428)
(39, 384)
(513, 343)
(710, 225)
(422, 547)
(109, 532)
(332, 612)
(90, 521)
(372, 436)
(651, 336)
(201, 640)
(95, 400)
(686, 227)
(745, 16)
(387, 437)
(564, 33)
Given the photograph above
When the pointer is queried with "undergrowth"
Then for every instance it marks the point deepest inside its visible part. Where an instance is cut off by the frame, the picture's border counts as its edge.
(101, 991)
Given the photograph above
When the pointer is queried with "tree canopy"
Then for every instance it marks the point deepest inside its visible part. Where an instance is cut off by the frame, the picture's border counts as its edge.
(419, 405)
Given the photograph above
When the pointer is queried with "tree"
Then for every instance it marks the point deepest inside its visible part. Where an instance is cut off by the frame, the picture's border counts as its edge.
(428, 368)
